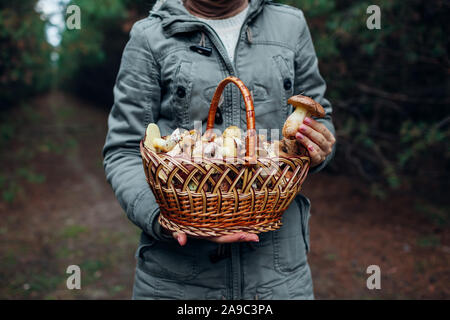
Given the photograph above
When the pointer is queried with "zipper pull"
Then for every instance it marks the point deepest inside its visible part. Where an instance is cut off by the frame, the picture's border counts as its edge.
(202, 50)
(249, 35)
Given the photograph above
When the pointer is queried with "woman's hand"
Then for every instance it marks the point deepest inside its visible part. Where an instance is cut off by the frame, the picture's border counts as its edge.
(181, 237)
(317, 139)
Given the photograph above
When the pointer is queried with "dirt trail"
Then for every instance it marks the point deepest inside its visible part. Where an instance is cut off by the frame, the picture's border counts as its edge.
(74, 218)
(71, 218)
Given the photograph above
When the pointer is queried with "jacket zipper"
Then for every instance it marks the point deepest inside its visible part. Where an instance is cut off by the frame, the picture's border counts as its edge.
(215, 39)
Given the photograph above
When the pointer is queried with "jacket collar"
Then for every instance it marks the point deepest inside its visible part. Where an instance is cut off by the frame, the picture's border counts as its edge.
(175, 18)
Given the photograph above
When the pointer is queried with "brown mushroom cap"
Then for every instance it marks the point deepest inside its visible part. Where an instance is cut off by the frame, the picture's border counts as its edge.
(313, 107)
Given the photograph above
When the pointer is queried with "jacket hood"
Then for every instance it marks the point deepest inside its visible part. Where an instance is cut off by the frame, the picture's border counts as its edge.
(175, 18)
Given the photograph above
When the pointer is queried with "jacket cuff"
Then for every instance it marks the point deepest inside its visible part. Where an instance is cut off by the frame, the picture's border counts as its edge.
(323, 164)
(146, 212)
(158, 230)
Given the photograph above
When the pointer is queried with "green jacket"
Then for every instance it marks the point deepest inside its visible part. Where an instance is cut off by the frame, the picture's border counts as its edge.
(162, 80)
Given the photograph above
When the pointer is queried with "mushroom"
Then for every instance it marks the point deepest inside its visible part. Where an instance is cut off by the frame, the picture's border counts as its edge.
(240, 147)
(209, 135)
(187, 145)
(269, 149)
(197, 151)
(231, 135)
(195, 134)
(168, 143)
(177, 135)
(160, 144)
(176, 151)
(151, 134)
(261, 146)
(212, 150)
(289, 146)
(280, 148)
(304, 107)
(262, 152)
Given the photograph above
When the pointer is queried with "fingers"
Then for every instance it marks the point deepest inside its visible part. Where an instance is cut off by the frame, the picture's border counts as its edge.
(315, 136)
(180, 237)
(236, 237)
(320, 127)
(315, 153)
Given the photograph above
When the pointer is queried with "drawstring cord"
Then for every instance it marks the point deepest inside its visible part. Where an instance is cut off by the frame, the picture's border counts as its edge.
(223, 251)
(249, 35)
(220, 250)
(202, 40)
(220, 253)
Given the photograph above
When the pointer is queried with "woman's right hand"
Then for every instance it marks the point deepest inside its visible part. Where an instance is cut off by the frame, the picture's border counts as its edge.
(181, 237)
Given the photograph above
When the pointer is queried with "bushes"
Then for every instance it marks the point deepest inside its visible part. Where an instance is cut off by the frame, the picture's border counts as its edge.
(24, 53)
(389, 89)
(90, 57)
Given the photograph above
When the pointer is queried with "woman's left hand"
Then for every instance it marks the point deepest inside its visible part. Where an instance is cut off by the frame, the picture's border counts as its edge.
(182, 237)
(317, 139)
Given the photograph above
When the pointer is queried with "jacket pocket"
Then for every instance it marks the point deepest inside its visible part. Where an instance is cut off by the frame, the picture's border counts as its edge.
(305, 206)
(289, 243)
(286, 80)
(181, 93)
(168, 260)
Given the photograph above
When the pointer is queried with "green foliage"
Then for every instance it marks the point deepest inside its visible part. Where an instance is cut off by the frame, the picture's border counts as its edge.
(439, 215)
(389, 89)
(428, 241)
(73, 231)
(90, 57)
(11, 183)
(24, 52)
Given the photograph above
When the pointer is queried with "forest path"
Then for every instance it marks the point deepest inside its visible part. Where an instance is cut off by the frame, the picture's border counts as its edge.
(72, 217)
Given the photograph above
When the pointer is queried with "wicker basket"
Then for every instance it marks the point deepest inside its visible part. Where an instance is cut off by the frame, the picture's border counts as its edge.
(247, 195)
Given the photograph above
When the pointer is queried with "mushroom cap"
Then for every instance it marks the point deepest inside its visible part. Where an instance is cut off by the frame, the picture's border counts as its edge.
(313, 107)
(152, 132)
(232, 131)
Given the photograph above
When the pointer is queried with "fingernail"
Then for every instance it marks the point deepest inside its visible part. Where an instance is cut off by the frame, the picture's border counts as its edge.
(307, 120)
(303, 128)
(256, 239)
(310, 148)
(298, 135)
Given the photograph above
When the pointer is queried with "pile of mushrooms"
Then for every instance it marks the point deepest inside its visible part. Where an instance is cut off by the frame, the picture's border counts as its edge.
(231, 143)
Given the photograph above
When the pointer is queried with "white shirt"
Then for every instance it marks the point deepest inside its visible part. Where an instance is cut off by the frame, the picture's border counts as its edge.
(228, 30)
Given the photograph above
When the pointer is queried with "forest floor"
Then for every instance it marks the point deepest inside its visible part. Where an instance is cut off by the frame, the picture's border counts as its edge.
(58, 210)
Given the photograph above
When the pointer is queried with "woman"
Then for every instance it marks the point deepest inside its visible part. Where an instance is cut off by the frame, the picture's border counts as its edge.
(170, 68)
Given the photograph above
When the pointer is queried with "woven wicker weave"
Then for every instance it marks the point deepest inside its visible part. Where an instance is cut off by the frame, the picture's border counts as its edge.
(247, 194)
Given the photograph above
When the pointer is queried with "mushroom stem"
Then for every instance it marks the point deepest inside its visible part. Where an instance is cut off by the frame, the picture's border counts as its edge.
(230, 135)
(294, 121)
(163, 145)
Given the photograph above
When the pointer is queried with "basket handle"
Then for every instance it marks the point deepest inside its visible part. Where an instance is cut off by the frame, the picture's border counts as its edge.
(250, 114)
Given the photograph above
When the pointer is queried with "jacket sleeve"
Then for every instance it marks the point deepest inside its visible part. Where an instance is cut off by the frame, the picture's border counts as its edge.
(309, 81)
(136, 103)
